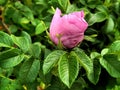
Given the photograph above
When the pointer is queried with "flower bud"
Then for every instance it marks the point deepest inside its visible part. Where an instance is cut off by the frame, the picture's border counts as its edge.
(68, 29)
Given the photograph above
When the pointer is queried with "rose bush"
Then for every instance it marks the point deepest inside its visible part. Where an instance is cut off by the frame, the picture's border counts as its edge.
(29, 61)
(68, 29)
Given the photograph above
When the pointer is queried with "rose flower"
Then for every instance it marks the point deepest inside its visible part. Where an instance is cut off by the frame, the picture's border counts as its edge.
(68, 29)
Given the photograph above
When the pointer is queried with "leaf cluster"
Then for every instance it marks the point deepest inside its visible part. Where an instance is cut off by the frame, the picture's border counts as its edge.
(30, 61)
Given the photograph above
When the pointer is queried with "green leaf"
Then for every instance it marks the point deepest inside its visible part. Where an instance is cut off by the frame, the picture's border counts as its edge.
(104, 51)
(3, 2)
(111, 63)
(15, 15)
(56, 85)
(71, 8)
(116, 87)
(24, 10)
(35, 50)
(109, 25)
(10, 58)
(89, 38)
(5, 40)
(97, 70)
(102, 8)
(40, 28)
(79, 84)
(68, 68)
(28, 2)
(4, 83)
(23, 42)
(82, 2)
(96, 66)
(41, 2)
(27, 36)
(115, 47)
(116, 7)
(86, 62)
(64, 4)
(51, 60)
(94, 55)
(9, 84)
(107, 1)
(23, 20)
(97, 17)
(13, 28)
(29, 70)
(92, 3)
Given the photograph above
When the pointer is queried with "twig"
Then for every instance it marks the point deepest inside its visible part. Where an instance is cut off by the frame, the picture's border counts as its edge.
(3, 22)
(5, 26)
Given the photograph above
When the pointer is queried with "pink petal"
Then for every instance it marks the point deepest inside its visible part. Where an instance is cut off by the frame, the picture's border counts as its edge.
(79, 14)
(71, 40)
(55, 25)
(72, 23)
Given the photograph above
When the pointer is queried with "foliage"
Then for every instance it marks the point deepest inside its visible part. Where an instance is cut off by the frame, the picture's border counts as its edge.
(30, 61)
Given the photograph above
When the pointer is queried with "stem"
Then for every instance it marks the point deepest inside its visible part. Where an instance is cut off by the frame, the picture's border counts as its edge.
(6, 27)
(3, 21)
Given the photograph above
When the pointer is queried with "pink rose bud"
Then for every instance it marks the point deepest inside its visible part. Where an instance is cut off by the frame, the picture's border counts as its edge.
(68, 29)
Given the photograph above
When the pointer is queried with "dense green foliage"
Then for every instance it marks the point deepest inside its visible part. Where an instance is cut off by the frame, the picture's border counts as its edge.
(30, 61)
